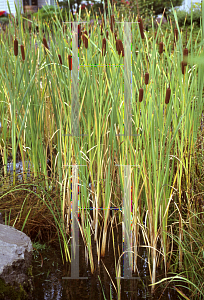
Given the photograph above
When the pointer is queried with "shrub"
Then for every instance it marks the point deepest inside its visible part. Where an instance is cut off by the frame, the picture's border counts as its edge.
(182, 15)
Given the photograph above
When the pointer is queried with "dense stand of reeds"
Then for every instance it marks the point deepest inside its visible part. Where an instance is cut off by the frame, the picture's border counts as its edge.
(167, 106)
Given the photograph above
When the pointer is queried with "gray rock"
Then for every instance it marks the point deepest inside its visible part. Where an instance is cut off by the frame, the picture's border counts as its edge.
(15, 263)
(158, 20)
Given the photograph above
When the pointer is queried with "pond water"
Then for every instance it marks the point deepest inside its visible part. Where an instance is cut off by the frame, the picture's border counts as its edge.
(48, 282)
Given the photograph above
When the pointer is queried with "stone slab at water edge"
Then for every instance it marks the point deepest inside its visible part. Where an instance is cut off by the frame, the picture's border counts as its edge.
(16, 280)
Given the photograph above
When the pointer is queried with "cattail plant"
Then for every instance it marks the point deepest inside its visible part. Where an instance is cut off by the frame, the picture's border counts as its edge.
(183, 66)
(123, 54)
(146, 78)
(120, 47)
(15, 47)
(115, 36)
(161, 47)
(141, 94)
(60, 58)
(102, 29)
(85, 39)
(107, 34)
(70, 62)
(112, 23)
(103, 46)
(22, 52)
(45, 43)
(79, 35)
(141, 27)
(185, 56)
(168, 94)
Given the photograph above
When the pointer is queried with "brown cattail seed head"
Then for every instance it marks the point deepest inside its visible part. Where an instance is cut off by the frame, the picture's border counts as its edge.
(15, 47)
(112, 22)
(182, 67)
(140, 94)
(104, 46)
(70, 62)
(45, 43)
(123, 54)
(79, 31)
(107, 34)
(85, 40)
(146, 78)
(101, 29)
(175, 34)
(83, 37)
(120, 47)
(141, 28)
(22, 52)
(60, 58)
(185, 56)
(168, 94)
(161, 47)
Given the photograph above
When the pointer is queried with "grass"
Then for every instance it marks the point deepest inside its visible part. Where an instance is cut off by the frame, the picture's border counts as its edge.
(36, 108)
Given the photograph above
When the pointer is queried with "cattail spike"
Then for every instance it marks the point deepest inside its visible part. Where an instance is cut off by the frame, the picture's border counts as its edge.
(141, 28)
(112, 22)
(182, 67)
(60, 58)
(123, 54)
(185, 56)
(45, 43)
(70, 62)
(141, 94)
(79, 36)
(107, 34)
(104, 46)
(168, 94)
(85, 39)
(15, 47)
(146, 78)
(22, 52)
(161, 45)
(120, 47)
